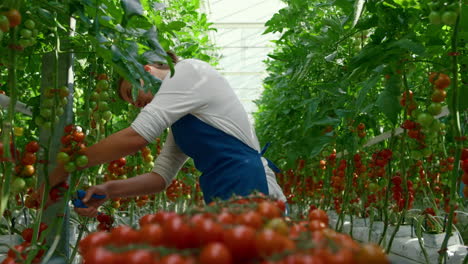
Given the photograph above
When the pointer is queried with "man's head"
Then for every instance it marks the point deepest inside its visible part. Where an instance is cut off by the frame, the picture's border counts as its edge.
(158, 70)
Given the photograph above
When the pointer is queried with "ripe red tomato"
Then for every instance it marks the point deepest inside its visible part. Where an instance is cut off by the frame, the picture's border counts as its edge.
(215, 253)
(27, 234)
(268, 242)
(78, 136)
(172, 259)
(225, 218)
(121, 162)
(177, 233)
(32, 146)
(147, 219)
(320, 215)
(29, 158)
(9, 260)
(464, 154)
(250, 218)
(69, 128)
(124, 235)
(93, 240)
(99, 255)
(14, 17)
(268, 210)
(240, 241)
(371, 253)
(207, 231)
(151, 234)
(19, 249)
(138, 256)
(316, 225)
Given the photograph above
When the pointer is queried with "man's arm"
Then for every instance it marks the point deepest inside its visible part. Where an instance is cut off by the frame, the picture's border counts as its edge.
(143, 184)
(148, 183)
(117, 145)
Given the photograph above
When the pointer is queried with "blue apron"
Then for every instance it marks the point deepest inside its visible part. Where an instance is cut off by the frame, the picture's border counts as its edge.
(228, 165)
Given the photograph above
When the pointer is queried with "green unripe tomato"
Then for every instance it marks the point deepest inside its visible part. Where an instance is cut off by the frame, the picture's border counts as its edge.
(4, 23)
(47, 125)
(26, 33)
(103, 106)
(425, 119)
(92, 104)
(24, 42)
(59, 111)
(29, 24)
(415, 113)
(102, 85)
(39, 121)
(434, 18)
(426, 152)
(107, 115)
(435, 126)
(104, 96)
(18, 185)
(373, 187)
(97, 116)
(63, 157)
(47, 103)
(434, 108)
(63, 101)
(48, 92)
(95, 96)
(46, 112)
(449, 17)
(64, 92)
(35, 32)
(70, 167)
(416, 154)
(81, 161)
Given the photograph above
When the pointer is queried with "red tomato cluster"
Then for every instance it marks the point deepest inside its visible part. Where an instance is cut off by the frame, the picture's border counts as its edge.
(19, 253)
(25, 167)
(58, 191)
(464, 165)
(116, 169)
(73, 142)
(398, 196)
(178, 189)
(243, 231)
(105, 222)
(361, 130)
(407, 101)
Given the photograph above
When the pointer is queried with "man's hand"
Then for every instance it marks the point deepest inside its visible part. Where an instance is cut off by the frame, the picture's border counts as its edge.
(92, 203)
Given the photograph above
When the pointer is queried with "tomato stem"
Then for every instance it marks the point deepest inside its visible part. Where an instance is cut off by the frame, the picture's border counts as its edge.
(456, 132)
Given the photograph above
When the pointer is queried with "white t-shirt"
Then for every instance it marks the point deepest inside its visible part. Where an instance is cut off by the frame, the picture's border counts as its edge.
(198, 89)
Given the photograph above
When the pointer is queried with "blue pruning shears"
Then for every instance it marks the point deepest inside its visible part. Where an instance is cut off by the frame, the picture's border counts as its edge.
(80, 194)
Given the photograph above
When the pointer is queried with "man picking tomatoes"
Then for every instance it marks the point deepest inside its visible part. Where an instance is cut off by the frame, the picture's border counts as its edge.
(207, 123)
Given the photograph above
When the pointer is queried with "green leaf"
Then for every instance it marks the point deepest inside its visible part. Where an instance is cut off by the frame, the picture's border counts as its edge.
(131, 8)
(176, 25)
(367, 86)
(152, 39)
(388, 102)
(345, 5)
(317, 144)
(409, 45)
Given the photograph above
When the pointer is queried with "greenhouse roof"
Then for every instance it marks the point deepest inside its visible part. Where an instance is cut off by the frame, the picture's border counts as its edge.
(243, 47)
